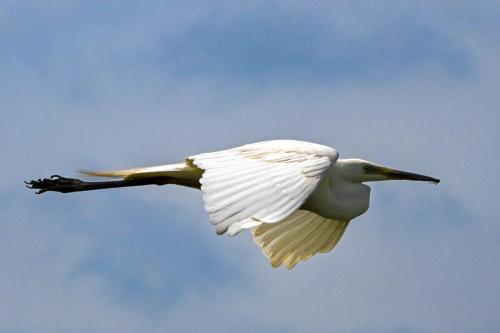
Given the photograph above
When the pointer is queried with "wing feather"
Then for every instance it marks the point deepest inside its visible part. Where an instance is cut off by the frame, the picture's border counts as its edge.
(332, 241)
(261, 182)
(288, 245)
(298, 237)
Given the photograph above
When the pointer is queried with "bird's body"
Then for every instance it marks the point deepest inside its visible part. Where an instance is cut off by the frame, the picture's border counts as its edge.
(297, 198)
(338, 199)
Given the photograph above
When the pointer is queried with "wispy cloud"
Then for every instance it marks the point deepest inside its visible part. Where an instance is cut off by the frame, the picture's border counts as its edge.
(273, 42)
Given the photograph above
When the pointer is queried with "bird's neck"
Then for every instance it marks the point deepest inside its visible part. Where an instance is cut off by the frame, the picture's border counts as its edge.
(338, 199)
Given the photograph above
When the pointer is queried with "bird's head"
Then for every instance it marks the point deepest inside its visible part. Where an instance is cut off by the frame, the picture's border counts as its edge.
(358, 170)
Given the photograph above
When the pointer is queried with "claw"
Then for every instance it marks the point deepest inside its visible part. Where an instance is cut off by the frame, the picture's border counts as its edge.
(54, 183)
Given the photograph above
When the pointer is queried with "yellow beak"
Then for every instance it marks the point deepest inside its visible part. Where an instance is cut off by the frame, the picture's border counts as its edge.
(398, 175)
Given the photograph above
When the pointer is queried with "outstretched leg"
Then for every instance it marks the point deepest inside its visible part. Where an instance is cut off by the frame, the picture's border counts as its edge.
(60, 184)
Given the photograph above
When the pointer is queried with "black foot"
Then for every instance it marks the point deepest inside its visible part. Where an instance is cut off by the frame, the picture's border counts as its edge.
(55, 183)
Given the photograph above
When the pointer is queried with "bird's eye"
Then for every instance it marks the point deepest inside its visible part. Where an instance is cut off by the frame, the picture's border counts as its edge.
(367, 168)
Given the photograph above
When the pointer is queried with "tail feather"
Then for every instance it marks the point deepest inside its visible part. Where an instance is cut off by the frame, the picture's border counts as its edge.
(180, 173)
(111, 173)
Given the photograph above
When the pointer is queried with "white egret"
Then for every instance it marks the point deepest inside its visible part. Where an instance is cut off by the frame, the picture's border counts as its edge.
(297, 198)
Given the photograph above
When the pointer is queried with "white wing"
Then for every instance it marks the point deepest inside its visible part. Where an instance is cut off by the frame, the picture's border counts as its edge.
(261, 182)
(298, 237)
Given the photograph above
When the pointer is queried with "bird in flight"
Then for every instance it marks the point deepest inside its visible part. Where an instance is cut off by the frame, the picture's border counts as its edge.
(296, 198)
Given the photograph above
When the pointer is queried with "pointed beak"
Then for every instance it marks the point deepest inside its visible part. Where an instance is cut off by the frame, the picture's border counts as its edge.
(400, 175)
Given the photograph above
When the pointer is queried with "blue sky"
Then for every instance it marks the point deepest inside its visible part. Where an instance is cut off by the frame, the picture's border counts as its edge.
(118, 84)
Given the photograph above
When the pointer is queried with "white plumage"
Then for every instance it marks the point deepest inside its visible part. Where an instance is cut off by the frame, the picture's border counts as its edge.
(262, 182)
(298, 237)
(296, 197)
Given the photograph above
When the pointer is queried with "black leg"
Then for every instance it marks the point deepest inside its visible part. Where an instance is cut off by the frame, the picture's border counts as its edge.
(60, 184)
